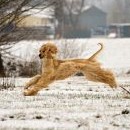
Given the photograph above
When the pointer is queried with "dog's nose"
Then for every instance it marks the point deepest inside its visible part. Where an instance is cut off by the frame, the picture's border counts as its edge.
(40, 55)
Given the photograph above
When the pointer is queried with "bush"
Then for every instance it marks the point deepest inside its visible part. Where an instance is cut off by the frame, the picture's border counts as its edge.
(22, 68)
(7, 83)
(29, 69)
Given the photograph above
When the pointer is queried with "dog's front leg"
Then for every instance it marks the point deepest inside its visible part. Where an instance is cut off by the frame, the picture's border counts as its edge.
(43, 82)
(33, 81)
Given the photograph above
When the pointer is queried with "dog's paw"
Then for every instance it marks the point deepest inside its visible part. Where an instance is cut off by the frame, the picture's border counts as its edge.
(26, 92)
(29, 93)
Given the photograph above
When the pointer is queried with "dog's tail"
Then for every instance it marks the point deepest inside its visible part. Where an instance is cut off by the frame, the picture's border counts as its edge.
(95, 54)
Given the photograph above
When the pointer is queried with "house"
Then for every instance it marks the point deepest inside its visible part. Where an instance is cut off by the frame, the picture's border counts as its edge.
(119, 30)
(37, 17)
(88, 20)
(39, 23)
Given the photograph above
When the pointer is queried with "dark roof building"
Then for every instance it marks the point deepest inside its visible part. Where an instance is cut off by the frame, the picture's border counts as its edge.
(89, 19)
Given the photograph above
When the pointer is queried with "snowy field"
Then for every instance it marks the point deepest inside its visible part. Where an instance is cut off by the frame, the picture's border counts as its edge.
(75, 103)
(72, 104)
(115, 55)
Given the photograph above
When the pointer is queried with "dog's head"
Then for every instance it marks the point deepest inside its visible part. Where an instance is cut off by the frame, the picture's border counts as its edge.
(48, 51)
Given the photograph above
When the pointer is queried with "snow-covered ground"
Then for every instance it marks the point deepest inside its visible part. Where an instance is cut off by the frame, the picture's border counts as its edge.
(75, 103)
(72, 104)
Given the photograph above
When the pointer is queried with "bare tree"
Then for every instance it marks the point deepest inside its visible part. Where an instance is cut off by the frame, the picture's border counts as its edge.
(70, 49)
(2, 73)
(59, 15)
(64, 13)
(10, 12)
(120, 11)
(74, 7)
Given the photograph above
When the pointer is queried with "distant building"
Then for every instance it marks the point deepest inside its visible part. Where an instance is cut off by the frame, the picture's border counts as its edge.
(40, 23)
(119, 30)
(89, 19)
(37, 17)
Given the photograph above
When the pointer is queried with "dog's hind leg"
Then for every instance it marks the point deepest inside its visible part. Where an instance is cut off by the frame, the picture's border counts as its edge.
(95, 73)
(33, 81)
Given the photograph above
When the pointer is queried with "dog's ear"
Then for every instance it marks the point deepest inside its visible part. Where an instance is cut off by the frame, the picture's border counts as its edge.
(43, 48)
(54, 50)
(51, 51)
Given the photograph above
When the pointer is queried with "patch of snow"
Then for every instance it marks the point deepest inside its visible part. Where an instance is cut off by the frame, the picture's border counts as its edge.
(71, 104)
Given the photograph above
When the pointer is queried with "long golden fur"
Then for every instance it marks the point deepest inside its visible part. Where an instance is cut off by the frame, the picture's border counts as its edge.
(55, 69)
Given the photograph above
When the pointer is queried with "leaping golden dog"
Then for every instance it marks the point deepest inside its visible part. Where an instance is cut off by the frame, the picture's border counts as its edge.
(55, 69)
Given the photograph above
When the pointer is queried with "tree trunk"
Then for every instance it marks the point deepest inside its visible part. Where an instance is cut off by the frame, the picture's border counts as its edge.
(2, 72)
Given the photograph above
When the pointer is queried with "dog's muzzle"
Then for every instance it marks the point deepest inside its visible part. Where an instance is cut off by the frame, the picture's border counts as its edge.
(40, 56)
